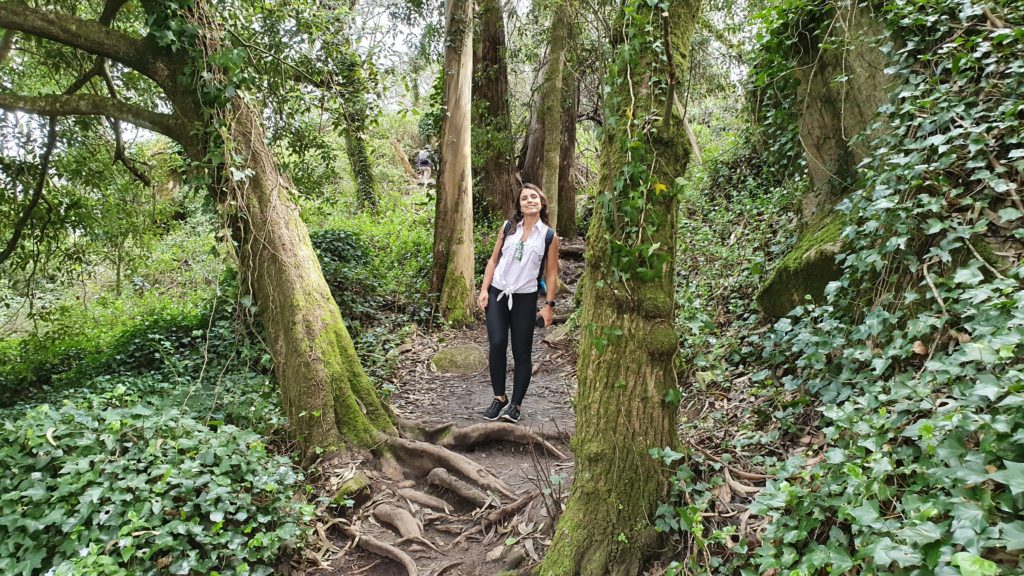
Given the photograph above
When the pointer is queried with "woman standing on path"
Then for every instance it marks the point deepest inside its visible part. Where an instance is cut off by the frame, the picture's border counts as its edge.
(508, 295)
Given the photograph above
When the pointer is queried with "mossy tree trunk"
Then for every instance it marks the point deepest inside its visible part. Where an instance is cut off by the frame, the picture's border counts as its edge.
(628, 344)
(452, 270)
(492, 127)
(551, 104)
(330, 402)
(566, 224)
(355, 120)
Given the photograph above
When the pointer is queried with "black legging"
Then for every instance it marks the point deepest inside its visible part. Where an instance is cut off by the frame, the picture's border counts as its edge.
(520, 320)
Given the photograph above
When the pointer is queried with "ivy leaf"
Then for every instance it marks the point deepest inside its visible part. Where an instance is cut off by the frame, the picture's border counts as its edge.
(1013, 535)
(969, 275)
(924, 533)
(973, 565)
(886, 552)
(673, 397)
(1009, 213)
(1012, 476)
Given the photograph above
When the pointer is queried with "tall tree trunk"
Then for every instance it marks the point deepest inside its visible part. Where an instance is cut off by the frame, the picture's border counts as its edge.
(355, 112)
(531, 155)
(551, 104)
(492, 127)
(330, 403)
(452, 271)
(626, 352)
(566, 224)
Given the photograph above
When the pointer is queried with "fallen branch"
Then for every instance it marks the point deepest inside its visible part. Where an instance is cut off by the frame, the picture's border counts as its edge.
(572, 252)
(738, 486)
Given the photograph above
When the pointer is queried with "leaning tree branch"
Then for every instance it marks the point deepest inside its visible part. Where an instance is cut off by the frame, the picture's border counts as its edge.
(92, 105)
(37, 193)
(110, 10)
(89, 36)
(119, 149)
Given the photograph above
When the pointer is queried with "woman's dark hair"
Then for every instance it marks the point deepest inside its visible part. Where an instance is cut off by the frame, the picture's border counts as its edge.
(543, 202)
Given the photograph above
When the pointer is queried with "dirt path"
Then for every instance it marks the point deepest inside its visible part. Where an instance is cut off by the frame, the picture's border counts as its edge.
(461, 542)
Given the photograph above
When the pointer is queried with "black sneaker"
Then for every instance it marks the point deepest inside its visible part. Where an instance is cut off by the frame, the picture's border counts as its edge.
(511, 413)
(495, 409)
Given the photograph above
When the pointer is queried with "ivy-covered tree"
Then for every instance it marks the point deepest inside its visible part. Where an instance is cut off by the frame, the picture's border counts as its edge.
(626, 375)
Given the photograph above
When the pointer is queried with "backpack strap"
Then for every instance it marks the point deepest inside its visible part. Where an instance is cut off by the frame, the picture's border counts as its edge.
(549, 236)
(504, 234)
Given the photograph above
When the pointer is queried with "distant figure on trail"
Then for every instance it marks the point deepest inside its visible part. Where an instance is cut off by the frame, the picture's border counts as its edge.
(424, 163)
(523, 264)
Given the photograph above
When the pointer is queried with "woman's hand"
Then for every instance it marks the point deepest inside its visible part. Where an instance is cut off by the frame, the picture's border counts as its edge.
(548, 314)
(481, 300)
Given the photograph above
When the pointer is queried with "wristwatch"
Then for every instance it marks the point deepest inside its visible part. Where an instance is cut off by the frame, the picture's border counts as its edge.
(550, 303)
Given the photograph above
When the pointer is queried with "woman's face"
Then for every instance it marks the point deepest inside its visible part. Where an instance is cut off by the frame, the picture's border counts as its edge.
(529, 201)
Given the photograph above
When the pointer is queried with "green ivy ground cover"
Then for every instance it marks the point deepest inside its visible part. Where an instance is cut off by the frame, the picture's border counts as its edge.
(115, 485)
(912, 371)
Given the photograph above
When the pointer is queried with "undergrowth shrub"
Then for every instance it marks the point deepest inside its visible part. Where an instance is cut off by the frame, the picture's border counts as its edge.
(736, 218)
(117, 485)
(178, 349)
(345, 262)
(909, 382)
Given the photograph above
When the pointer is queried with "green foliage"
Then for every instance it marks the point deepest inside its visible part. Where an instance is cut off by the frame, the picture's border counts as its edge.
(733, 214)
(912, 371)
(791, 32)
(116, 485)
(344, 261)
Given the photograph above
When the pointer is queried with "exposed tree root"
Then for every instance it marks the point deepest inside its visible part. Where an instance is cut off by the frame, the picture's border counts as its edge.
(471, 436)
(441, 477)
(423, 499)
(404, 523)
(431, 454)
(400, 519)
(468, 437)
(497, 515)
(374, 546)
(424, 456)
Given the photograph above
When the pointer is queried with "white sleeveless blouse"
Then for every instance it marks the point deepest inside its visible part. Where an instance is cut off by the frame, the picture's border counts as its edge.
(519, 275)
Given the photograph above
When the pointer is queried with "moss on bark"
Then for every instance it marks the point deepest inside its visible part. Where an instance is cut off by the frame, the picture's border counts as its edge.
(326, 395)
(626, 356)
(806, 269)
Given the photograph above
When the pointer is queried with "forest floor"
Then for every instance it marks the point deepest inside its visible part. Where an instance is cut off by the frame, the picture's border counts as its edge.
(460, 541)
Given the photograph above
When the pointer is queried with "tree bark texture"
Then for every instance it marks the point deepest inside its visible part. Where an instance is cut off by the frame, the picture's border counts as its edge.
(492, 127)
(531, 155)
(566, 224)
(355, 110)
(329, 400)
(628, 338)
(452, 277)
(551, 104)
